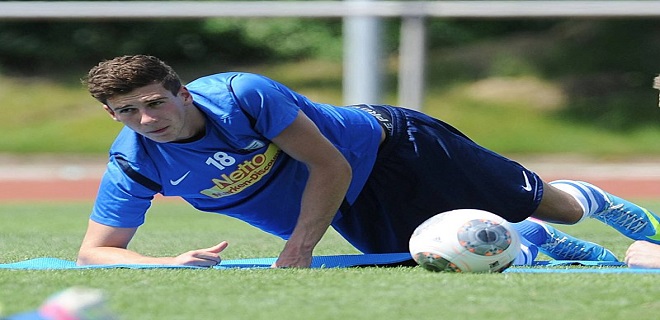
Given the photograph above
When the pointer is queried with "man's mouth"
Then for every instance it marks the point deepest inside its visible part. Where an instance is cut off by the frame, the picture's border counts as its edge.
(158, 131)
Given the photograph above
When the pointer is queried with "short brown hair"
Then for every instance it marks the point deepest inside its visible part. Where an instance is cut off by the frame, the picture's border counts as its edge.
(127, 73)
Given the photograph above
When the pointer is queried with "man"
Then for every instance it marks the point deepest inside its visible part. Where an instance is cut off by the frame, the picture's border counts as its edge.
(246, 146)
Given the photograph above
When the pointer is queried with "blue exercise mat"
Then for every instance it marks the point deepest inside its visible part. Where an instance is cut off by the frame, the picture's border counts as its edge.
(341, 261)
(338, 261)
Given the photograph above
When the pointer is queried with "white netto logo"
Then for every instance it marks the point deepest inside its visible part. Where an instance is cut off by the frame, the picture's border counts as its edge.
(245, 174)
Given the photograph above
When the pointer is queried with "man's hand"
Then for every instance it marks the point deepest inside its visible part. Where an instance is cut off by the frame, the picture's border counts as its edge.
(207, 257)
(643, 254)
(289, 260)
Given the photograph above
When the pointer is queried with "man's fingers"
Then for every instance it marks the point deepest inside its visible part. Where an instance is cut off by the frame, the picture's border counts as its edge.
(212, 254)
(218, 247)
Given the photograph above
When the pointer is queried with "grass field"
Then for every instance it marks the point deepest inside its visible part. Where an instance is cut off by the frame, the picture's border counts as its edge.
(33, 230)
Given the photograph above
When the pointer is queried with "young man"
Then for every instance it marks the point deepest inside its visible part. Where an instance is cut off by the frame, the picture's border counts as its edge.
(246, 146)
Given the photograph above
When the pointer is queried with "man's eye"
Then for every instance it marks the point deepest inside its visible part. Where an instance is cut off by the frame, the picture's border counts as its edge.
(126, 110)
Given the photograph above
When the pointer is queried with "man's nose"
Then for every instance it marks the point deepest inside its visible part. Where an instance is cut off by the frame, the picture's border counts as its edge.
(147, 117)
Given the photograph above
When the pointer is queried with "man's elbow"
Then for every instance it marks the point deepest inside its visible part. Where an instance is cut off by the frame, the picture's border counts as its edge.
(84, 257)
(345, 171)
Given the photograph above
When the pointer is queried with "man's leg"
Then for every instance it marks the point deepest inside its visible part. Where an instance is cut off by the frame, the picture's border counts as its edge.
(626, 217)
(527, 254)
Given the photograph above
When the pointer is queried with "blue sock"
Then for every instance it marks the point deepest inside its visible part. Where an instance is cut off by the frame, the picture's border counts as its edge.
(591, 198)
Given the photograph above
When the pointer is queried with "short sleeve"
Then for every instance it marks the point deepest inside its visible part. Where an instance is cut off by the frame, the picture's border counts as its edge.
(273, 106)
(120, 202)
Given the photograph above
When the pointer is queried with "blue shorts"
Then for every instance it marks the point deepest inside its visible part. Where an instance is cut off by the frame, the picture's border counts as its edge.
(425, 167)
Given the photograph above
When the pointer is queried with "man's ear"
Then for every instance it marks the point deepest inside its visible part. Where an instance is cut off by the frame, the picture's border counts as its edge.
(185, 94)
(111, 112)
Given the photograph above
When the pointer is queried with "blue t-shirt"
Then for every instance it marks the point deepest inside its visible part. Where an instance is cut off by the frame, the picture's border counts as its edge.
(235, 169)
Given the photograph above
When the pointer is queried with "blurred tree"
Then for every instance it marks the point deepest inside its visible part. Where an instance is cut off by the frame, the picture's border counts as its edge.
(605, 65)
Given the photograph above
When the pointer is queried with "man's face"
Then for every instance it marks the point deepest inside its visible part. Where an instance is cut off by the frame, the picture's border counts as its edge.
(156, 113)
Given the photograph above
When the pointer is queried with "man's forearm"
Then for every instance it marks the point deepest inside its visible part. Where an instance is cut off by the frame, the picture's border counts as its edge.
(112, 255)
(324, 192)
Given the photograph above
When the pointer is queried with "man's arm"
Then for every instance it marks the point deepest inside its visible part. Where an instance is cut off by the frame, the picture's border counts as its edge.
(643, 254)
(108, 245)
(329, 177)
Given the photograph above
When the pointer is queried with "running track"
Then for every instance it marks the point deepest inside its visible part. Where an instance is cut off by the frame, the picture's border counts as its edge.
(43, 179)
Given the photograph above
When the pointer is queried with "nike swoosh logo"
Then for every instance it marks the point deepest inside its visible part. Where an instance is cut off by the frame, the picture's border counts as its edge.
(655, 224)
(177, 181)
(527, 187)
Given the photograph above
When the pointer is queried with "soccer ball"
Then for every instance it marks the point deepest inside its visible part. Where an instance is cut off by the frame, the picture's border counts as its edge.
(465, 240)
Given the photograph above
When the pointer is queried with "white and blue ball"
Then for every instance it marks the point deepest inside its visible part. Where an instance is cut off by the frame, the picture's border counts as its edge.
(465, 240)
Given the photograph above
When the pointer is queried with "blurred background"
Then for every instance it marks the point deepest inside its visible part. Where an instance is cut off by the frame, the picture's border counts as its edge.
(532, 86)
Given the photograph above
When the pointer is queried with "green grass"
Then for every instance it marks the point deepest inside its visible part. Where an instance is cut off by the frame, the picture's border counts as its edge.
(61, 118)
(520, 128)
(39, 229)
(44, 116)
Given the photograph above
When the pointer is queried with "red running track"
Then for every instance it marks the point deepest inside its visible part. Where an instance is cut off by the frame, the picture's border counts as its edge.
(85, 189)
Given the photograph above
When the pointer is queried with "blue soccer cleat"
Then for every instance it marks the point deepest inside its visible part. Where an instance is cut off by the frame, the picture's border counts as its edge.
(630, 219)
(559, 245)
